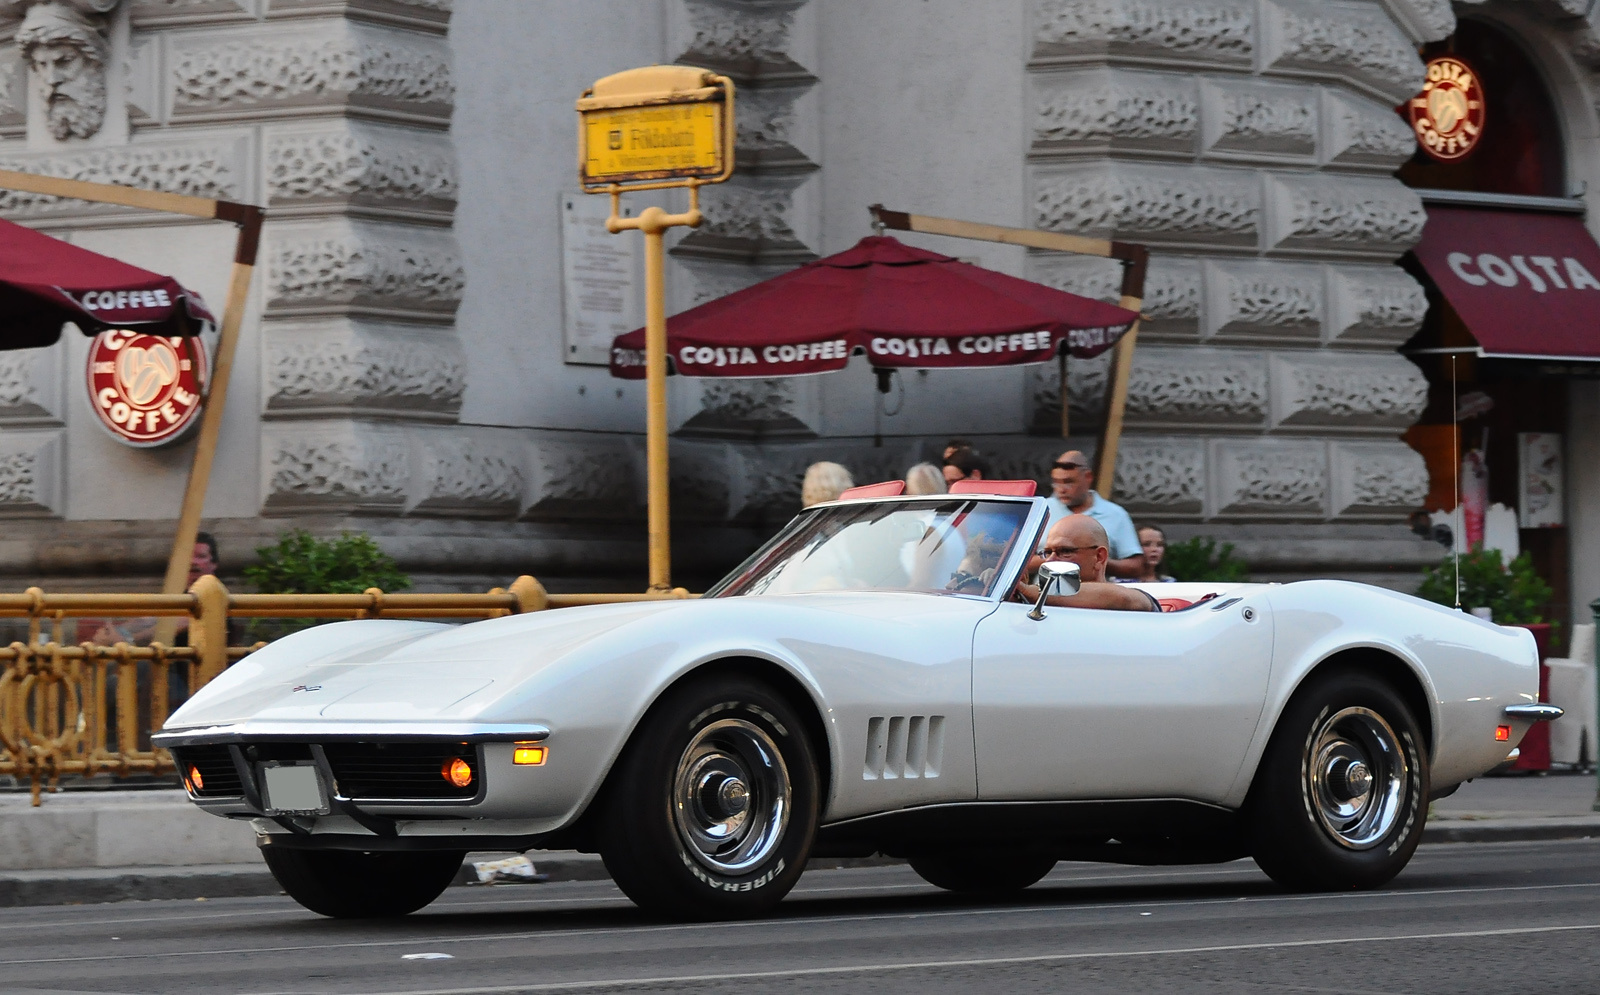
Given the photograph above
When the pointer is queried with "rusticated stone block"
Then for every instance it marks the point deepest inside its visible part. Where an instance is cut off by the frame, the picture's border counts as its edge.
(1259, 119)
(334, 466)
(30, 386)
(358, 163)
(209, 165)
(1357, 131)
(347, 266)
(1347, 390)
(1172, 289)
(589, 476)
(1344, 214)
(1109, 110)
(1158, 475)
(1149, 203)
(752, 220)
(13, 89)
(1257, 301)
(1425, 20)
(748, 41)
(1373, 305)
(1193, 387)
(31, 469)
(1218, 32)
(1270, 477)
(1377, 479)
(463, 472)
(1340, 40)
(367, 69)
(363, 368)
(747, 407)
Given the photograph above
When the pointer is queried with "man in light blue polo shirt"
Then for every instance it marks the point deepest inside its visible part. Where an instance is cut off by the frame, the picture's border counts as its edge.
(1072, 493)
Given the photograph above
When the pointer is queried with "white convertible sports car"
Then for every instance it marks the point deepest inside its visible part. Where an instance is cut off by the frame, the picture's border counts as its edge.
(863, 684)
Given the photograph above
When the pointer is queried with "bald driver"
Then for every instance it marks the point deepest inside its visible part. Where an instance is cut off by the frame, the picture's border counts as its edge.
(1082, 540)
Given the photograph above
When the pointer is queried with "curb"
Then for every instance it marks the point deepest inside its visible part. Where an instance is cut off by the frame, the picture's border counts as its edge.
(1511, 830)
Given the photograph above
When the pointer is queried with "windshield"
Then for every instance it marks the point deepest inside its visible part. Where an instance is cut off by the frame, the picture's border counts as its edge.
(938, 546)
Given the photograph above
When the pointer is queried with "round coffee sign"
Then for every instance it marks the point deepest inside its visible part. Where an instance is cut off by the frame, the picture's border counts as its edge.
(1447, 115)
(145, 388)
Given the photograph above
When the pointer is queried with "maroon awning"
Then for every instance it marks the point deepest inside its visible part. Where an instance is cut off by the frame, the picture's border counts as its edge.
(45, 282)
(901, 306)
(1526, 285)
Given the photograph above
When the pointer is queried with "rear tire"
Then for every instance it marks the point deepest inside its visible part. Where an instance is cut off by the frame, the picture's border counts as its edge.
(979, 873)
(712, 807)
(1339, 801)
(349, 884)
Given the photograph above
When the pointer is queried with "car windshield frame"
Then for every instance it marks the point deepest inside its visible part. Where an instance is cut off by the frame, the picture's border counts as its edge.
(804, 527)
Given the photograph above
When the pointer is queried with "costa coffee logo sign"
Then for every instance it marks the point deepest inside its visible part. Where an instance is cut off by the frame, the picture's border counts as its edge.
(144, 388)
(1448, 114)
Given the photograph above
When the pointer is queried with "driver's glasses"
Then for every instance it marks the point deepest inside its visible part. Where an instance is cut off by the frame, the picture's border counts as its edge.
(1061, 552)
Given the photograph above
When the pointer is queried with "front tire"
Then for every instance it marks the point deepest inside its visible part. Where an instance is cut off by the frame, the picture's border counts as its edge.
(981, 873)
(348, 884)
(712, 808)
(1339, 802)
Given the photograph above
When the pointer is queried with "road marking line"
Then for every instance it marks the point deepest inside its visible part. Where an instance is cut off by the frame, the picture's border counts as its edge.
(802, 972)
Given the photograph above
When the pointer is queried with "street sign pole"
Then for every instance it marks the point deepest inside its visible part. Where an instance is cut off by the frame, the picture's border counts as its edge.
(656, 128)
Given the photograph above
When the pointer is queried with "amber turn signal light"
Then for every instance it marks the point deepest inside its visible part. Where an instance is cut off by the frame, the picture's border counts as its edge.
(458, 772)
(1502, 734)
(528, 755)
(196, 782)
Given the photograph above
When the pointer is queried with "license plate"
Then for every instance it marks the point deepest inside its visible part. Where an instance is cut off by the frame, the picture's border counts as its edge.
(292, 789)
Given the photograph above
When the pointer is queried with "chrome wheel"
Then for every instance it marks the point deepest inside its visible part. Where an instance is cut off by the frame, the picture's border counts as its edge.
(1356, 777)
(731, 796)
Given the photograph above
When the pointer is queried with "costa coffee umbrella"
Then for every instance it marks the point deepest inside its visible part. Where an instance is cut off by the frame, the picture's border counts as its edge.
(901, 306)
(45, 282)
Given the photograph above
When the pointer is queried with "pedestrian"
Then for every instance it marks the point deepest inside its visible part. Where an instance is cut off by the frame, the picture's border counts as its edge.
(954, 446)
(965, 464)
(1072, 493)
(1153, 543)
(925, 478)
(824, 482)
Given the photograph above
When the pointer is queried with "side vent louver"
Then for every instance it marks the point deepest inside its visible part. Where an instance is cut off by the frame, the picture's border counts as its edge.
(904, 746)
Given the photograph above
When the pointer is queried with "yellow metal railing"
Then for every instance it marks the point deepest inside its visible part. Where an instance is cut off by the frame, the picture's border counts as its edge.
(85, 708)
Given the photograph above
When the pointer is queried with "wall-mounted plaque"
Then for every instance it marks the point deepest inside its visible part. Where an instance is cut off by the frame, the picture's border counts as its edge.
(599, 286)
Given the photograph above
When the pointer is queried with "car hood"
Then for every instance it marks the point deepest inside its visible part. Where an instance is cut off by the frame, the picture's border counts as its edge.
(384, 670)
(523, 668)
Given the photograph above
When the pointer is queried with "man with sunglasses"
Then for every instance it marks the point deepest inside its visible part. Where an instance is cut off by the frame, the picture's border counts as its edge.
(1072, 493)
(1080, 539)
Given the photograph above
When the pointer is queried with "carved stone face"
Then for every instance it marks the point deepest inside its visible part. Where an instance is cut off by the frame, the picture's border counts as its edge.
(74, 87)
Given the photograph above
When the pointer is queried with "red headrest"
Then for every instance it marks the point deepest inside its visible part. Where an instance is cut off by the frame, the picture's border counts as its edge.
(1010, 488)
(889, 488)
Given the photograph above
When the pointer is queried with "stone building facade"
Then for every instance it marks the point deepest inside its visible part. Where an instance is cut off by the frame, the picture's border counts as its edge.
(403, 367)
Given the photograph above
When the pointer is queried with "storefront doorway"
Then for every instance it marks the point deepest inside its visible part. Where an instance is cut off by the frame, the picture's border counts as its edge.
(1513, 285)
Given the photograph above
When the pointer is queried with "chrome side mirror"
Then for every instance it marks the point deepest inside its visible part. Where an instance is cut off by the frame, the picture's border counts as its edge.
(1060, 575)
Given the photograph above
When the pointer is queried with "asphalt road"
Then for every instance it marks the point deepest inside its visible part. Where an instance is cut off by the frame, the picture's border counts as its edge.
(1463, 918)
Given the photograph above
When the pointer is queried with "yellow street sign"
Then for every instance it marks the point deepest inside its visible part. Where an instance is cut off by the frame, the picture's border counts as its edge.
(659, 126)
(653, 142)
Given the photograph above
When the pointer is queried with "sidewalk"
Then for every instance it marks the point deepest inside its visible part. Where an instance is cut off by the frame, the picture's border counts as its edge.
(108, 846)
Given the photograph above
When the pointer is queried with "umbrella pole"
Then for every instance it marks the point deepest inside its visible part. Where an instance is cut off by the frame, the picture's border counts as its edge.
(1135, 259)
(194, 494)
(653, 222)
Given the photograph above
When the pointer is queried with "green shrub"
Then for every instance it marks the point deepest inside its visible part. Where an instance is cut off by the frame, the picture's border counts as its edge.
(1515, 594)
(1199, 559)
(301, 563)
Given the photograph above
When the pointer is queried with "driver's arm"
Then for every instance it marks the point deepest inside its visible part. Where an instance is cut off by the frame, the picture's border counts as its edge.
(1095, 594)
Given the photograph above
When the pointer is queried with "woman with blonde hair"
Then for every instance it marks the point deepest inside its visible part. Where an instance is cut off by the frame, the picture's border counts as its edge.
(925, 478)
(824, 482)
